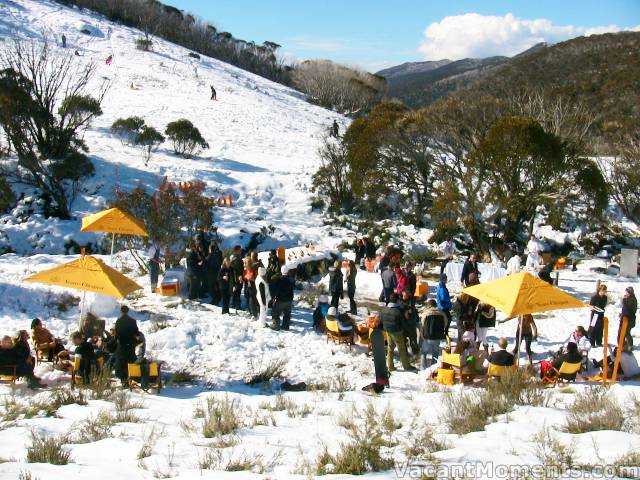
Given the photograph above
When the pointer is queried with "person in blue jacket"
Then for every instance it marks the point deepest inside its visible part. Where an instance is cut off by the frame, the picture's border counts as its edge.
(443, 299)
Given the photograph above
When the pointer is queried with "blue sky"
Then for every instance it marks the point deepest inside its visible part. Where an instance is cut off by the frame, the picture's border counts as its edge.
(373, 34)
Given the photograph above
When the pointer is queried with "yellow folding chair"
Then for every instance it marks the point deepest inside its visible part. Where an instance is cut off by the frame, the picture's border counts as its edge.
(134, 371)
(8, 374)
(336, 335)
(454, 361)
(498, 370)
(566, 373)
(76, 367)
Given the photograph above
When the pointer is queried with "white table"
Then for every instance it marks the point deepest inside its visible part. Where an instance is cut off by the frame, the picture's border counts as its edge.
(487, 271)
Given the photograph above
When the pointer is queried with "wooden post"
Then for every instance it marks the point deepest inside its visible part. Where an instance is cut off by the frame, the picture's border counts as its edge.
(605, 349)
(623, 334)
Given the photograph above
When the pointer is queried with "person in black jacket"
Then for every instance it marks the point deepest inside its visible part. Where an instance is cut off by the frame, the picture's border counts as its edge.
(501, 357)
(336, 287)
(392, 321)
(389, 282)
(433, 332)
(629, 309)
(360, 252)
(10, 357)
(125, 335)
(409, 320)
(273, 270)
(237, 281)
(545, 272)
(470, 266)
(369, 248)
(213, 265)
(225, 284)
(195, 268)
(596, 324)
(87, 354)
(351, 287)
(283, 300)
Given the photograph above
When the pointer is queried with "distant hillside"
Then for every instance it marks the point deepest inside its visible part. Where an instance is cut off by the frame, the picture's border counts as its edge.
(601, 71)
(418, 84)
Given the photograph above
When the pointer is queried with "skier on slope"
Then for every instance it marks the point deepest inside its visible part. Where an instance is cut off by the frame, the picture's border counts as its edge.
(214, 95)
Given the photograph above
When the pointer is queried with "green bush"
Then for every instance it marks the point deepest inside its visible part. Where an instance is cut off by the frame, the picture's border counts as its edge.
(128, 128)
(148, 140)
(186, 138)
(143, 44)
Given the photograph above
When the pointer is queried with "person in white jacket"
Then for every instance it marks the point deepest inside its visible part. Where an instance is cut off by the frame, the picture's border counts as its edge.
(579, 337)
(262, 294)
(533, 251)
(514, 264)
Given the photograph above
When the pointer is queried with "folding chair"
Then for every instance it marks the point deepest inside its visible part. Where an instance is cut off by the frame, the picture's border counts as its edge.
(454, 361)
(75, 378)
(42, 353)
(336, 335)
(8, 374)
(498, 371)
(566, 373)
(134, 371)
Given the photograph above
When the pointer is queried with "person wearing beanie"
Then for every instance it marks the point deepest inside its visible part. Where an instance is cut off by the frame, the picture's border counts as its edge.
(263, 295)
(629, 307)
(321, 311)
(282, 300)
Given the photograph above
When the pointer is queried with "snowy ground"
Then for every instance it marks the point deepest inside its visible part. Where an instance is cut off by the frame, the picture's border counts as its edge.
(263, 139)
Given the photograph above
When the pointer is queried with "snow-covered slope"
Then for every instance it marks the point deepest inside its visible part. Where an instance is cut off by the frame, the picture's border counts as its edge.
(263, 136)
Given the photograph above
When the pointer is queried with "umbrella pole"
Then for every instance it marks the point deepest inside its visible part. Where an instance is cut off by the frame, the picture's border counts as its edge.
(113, 241)
(519, 340)
(84, 294)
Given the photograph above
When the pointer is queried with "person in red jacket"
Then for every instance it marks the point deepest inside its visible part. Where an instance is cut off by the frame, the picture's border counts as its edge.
(402, 281)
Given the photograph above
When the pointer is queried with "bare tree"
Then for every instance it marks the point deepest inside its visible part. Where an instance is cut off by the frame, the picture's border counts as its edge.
(44, 110)
(623, 176)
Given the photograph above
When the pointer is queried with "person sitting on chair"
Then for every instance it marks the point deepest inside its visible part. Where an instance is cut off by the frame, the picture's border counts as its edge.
(500, 357)
(44, 338)
(22, 348)
(321, 311)
(579, 337)
(86, 352)
(10, 357)
(548, 368)
(345, 324)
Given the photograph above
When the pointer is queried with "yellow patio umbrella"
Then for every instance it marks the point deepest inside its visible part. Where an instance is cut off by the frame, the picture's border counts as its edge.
(522, 293)
(113, 221)
(88, 274)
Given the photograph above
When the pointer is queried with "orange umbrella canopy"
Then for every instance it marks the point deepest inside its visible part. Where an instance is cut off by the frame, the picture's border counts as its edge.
(523, 293)
(88, 274)
(113, 220)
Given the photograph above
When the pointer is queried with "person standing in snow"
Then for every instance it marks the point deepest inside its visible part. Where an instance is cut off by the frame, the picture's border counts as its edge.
(109, 60)
(335, 129)
(533, 253)
(596, 323)
(443, 300)
(273, 270)
(154, 254)
(470, 267)
(629, 307)
(369, 248)
(195, 268)
(283, 300)
(238, 269)
(225, 283)
(433, 332)
(336, 287)
(351, 287)
(213, 264)
(126, 332)
(389, 283)
(214, 94)
(64, 41)
(262, 294)
(392, 321)
(447, 249)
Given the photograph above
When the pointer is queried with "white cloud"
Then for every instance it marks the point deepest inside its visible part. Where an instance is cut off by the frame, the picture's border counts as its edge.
(475, 35)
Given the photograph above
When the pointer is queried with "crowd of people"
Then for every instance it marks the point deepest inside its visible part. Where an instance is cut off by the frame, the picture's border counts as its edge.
(224, 281)
(88, 354)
